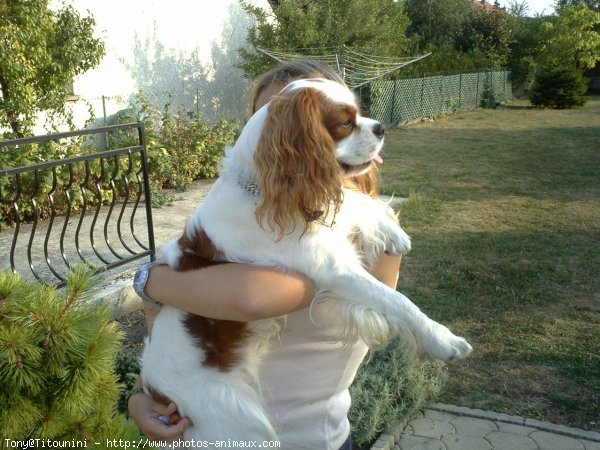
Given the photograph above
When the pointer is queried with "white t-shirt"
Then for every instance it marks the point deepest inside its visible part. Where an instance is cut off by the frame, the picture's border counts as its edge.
(305, 379)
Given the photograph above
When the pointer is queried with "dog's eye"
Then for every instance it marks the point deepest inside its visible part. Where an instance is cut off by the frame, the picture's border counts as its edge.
(347, 124)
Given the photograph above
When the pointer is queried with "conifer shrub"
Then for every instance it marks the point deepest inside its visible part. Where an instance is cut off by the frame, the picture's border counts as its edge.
(127, 367)
(388, 387)
(57, 352)
(559, 87)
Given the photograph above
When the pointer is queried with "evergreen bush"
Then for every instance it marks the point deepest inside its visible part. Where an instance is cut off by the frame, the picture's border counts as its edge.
(127, 367)
(57, 352)
(558, 87)
(488, 96)
(389, 386)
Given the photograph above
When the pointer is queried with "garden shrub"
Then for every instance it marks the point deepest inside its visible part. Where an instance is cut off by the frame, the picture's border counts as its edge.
(182, 147)
(390, 386)
(189, 149)
(57, 352)
(558, 88)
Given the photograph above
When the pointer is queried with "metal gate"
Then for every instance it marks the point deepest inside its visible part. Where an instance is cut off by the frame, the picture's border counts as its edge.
(92, 208)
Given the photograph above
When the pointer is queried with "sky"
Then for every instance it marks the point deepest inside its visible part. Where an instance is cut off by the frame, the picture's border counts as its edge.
(535, 6)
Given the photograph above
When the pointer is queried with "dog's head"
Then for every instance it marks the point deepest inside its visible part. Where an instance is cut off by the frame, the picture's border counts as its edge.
(313, 137)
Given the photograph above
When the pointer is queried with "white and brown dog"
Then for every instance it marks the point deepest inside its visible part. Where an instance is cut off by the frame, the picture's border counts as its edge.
(279, 202)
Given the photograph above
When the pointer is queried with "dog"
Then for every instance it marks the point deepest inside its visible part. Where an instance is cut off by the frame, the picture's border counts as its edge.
(279, 202)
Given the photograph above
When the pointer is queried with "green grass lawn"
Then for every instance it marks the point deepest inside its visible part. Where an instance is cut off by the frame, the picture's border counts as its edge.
(504, 212)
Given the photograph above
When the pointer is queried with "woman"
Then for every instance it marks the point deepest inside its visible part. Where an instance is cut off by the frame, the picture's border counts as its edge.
(306, 375)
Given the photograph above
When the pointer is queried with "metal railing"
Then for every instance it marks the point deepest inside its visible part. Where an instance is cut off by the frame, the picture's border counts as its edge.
(92, 208)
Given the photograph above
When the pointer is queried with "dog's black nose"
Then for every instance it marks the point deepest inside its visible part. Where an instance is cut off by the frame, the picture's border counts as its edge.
(378, 130)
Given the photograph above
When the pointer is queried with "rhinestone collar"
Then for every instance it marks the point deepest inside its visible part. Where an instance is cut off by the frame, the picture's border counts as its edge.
(252, 188)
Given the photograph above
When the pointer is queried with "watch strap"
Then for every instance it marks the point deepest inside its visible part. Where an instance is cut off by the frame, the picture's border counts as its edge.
(141, 278)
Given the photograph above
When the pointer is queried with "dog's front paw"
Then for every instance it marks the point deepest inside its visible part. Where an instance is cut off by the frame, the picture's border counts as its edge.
(169, 253)
(438, 342)
(398, 242)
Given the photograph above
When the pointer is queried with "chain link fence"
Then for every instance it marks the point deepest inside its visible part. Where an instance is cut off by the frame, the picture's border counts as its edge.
(392, 102)
(399, 101)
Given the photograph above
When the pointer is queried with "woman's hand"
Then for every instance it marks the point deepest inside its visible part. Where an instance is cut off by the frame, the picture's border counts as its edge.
(146, 413)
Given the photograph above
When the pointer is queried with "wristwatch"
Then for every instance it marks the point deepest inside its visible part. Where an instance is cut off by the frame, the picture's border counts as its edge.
(141, 278)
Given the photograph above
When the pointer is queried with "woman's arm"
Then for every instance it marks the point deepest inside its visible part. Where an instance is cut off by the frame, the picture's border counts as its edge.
(227, 291)
(231, 291)
(244, 292)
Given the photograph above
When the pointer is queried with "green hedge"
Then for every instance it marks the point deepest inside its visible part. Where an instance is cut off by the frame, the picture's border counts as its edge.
(182, 147)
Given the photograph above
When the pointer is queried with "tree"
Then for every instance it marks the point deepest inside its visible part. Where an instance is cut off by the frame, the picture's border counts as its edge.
(524, 53)
(377, 27)
(490, 32)
(517, 8)
(460, 34)
(570, 39)
(41, 51)
(436, 22)
(594, 5)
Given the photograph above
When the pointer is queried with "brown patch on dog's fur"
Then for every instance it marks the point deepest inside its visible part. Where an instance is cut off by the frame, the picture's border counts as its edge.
(157, 396)
(198, 252)
(220, 339)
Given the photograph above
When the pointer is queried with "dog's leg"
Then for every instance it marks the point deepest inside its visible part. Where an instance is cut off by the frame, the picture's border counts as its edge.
(339, 274)
(432, 338)
(379, 230)
(397, 242)
(377, 226)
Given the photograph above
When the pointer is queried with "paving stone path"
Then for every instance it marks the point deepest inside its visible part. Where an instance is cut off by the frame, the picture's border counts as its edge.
(449, 427)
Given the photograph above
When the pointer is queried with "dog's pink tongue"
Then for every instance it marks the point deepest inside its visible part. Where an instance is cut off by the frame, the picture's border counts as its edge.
(378, 159)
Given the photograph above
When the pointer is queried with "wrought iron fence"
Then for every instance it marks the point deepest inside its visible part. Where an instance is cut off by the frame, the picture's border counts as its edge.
(92, 208)
(398, 101)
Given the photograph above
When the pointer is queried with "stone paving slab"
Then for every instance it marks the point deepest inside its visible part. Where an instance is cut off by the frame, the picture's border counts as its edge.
(448, 427)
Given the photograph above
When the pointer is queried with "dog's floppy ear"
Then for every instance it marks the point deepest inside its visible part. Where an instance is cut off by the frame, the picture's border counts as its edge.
(295, 159)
